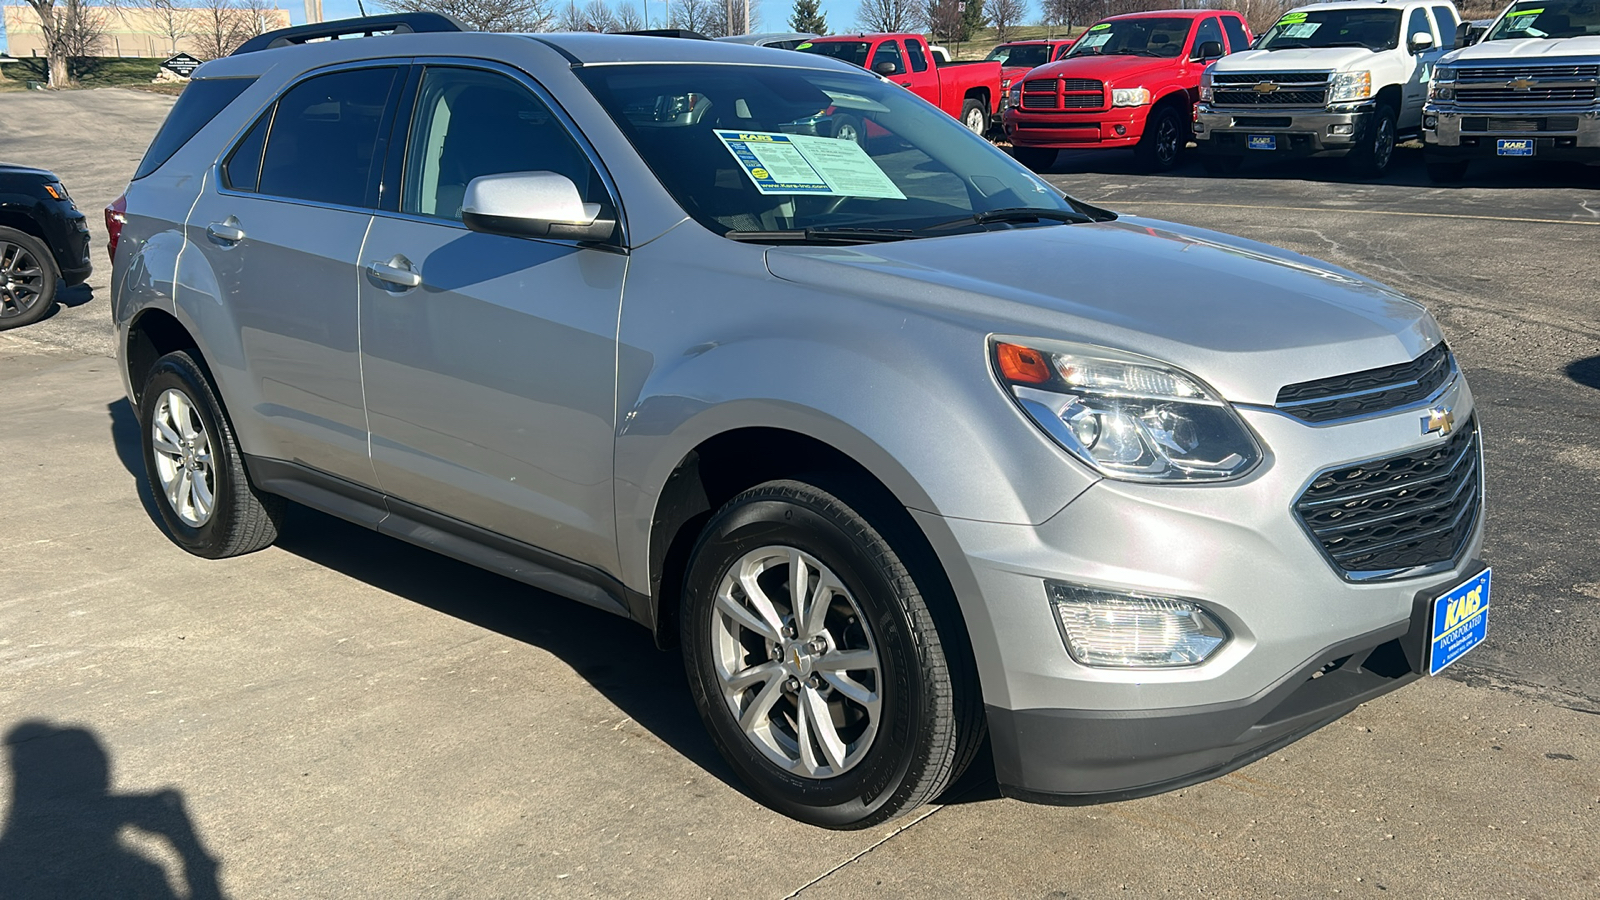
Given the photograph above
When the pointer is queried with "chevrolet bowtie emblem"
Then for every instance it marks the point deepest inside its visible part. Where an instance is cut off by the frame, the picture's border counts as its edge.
(1522, 84)
(1265, 87)
(1439, 419)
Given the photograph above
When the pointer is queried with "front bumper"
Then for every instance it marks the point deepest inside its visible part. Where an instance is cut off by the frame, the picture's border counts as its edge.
(1567, 134)
(1076, 130)
(1300, 132)
(1065, 732)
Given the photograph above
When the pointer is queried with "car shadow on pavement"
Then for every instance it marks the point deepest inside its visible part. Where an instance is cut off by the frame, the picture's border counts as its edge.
(1586, 372)
(125, 435)
(64, 829)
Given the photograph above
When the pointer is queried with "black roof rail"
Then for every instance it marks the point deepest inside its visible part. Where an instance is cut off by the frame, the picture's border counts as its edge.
(395, 23)
(668, 32)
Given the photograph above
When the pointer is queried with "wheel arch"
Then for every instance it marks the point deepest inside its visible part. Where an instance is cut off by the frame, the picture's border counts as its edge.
(1389, 95)
(152, 334)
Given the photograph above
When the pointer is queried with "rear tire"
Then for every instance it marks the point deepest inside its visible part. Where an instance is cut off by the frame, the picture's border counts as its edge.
(1165, 135)
(975, 116)
(1039, 159)
(28, 279)
(881, 664)
(194, 467)
(1448, 172)
(1371, 158)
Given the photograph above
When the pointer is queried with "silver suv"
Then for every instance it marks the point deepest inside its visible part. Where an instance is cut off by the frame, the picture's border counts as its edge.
(898, 444)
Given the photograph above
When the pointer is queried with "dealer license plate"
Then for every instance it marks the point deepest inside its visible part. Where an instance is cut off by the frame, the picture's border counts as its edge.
(1514, 147)
(1458, 621)
(1263, 142)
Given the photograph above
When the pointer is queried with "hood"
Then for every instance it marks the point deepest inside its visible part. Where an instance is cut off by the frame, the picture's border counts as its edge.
(1543, 50)
(1314, 58)
(1243, 316)
(9, 169)
(1113, 70)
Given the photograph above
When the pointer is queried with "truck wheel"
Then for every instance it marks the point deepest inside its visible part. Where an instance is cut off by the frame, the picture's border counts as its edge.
(1371, 157)
(848, 128)
(194, 468)
(27, 279)
(1218, 164)
(976, 117)
(824, 672)
(1448, 171)
(1038, 159)
(1164, 136)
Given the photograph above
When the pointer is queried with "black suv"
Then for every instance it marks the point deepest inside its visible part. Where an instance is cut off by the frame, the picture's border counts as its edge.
(44, 243)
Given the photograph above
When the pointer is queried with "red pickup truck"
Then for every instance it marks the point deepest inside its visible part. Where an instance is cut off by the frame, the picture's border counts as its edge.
(970, 91)
(1128, 81)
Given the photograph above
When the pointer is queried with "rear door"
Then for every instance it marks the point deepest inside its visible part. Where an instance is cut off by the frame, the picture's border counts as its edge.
(281, 230)
(490, 383)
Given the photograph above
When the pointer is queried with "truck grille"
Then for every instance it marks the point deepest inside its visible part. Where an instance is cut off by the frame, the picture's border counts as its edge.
(1288, 89)
(1497, 125)
(1063, 94)
(1507, 73)
(1369, 391)
(1496, 94)
(1382, 518)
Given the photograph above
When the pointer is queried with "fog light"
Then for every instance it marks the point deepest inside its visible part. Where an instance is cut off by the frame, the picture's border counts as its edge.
(1342, 129)
(1133, 631)
(1430, 122)
(1120, 129)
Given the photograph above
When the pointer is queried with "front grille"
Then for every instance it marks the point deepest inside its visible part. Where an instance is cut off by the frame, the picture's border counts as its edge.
(1063, 93)
(1251, 97)
(1262, 121)
(1274, 77)
(1382, 518)
(1500, 125)
(1467, 95)
(1038, 101)
(1508, 73)
(1369, 391)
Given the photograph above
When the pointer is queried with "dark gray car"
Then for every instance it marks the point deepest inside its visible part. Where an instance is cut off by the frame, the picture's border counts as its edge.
(898, 444)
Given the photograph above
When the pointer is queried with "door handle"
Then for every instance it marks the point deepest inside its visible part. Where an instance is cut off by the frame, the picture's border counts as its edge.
(397, 271)
(905, 84)
(226, 231)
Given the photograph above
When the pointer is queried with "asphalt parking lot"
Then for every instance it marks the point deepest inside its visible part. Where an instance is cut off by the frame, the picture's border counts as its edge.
(342, 715)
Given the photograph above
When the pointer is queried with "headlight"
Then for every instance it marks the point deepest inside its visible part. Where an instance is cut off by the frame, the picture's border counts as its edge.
(1443, 85)
(1014, 96)
(1129, 97)
(1347, 87)
(1208, 92)
(1134, 631)
(1129, 418)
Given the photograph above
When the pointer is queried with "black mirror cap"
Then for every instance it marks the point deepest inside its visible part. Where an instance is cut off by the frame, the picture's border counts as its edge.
(512, 226)
(1209, 50)
(1463, 34)
(886, 68)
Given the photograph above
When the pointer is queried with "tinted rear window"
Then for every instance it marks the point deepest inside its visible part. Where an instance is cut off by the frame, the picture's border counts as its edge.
(198, 104)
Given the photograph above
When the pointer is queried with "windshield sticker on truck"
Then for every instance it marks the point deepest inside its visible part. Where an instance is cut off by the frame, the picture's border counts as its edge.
(1090, 41)
(1301, 29)
(807, 164)
(1101, 27)
(1292, 18)
(1524, 12)
(804, 46)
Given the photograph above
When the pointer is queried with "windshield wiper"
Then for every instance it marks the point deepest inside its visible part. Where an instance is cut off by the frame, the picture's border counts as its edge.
(1129, 51)
(839, 235)
(1014, 214)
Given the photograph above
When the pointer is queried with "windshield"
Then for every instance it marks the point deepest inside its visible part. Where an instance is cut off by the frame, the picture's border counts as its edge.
(853, 52)
(767, 149)
(1137, 37)
(1374, 29)
(1557, 19)
(1018, 55)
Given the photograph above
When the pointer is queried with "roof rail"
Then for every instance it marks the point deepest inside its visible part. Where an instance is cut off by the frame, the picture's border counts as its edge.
(668, 32)
(396, 23)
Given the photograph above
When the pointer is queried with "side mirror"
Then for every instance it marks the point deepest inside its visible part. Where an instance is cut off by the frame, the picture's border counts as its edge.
(1463, 34)
(532, 204)
(1421, 41)
(1208, 50)
(886, 68)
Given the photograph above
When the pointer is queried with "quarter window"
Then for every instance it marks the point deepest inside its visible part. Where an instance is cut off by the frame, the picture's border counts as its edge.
(242, 171)
(324, 138)
(468, 123)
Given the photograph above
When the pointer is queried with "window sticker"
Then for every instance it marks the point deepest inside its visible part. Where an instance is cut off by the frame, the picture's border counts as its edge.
(807, 164)
(1524, 12)
(1301, 30)
(1101, 27)
(1094, 40)
(1293, 18)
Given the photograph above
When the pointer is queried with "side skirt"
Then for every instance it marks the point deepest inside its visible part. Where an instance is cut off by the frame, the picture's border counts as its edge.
(450, 537)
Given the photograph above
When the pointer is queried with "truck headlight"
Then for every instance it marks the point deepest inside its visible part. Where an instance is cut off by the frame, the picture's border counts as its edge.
(1443, 86)
(1127, 417)
(1133, 631)
(1014, 96)
(1208, 90)
(1347, 87)
(1129, 96)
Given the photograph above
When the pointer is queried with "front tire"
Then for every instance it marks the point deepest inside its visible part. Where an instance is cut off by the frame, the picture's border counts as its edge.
(847, 706)
(28, 279)
(1165, 135)
(849, 128)
(975, 116)
(194, 467)
(1371, 158)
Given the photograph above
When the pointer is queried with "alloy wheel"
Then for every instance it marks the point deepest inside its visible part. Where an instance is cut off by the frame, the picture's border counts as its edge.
(796, 659)
(21, 280)
(183, 458)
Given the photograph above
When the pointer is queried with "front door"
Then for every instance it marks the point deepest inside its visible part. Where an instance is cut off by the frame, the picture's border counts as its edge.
(490, 384)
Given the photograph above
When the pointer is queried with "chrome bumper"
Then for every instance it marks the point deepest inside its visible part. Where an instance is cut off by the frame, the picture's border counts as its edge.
(1325, 131)
(1442, 124)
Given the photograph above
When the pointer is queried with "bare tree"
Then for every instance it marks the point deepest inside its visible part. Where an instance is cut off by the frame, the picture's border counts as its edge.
(1261, 14)
(219, 28)
(1006, 16)
(50, 22)
(485, 15)
(81, 30)
(628, 18)
(889, 15)
(174, 19)
(255, 21)
(600, 16)
(705, 16)
(571, 17)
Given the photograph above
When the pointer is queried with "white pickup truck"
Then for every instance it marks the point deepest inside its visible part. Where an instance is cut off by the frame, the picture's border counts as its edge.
(1330, 79)
(1528, 90)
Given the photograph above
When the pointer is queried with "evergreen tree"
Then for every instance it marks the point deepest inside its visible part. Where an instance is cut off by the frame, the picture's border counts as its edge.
(807, 18)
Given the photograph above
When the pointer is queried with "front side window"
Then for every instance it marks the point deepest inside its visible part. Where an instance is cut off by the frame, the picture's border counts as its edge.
(1143, 36)
(467, 123)
(323, 142)
(1556, 19)
(888, 52)
(1374, 29)
(779, 149)
(1209, 31)
(1417, 23)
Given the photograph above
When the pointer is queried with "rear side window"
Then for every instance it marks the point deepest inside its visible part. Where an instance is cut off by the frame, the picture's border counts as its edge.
(198, 104)
(1236, 36)
(324, 137)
